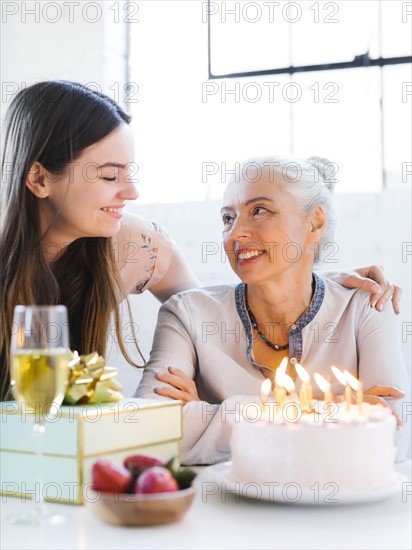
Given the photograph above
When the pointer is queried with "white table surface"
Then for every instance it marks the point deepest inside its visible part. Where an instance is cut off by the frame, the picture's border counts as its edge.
(217, 522)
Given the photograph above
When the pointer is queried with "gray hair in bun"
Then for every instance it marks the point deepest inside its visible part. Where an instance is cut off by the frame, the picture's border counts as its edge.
(326, 169)
(311, 181)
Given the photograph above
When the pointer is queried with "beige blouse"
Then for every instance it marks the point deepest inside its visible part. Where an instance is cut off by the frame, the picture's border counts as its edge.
(204, 332)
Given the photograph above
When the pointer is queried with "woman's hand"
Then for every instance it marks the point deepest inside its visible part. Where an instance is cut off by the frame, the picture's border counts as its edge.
(182, 387)
(378, 394)
(372, 279)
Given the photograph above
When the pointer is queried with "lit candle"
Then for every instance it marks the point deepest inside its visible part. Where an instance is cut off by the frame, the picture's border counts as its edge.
(302, 397)
(343, 380)
(325, 387)
(264, 392)
(280, 391)
(359, 397)
(280, 396)
(357, 386)
(288, 383)
(305, 393)
(281, 370)
(309, 395)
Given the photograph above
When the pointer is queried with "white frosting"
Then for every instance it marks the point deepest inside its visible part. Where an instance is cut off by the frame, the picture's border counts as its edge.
(356, 452)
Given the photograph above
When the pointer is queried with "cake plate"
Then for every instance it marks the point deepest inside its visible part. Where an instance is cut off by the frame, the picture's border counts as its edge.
(291, 493)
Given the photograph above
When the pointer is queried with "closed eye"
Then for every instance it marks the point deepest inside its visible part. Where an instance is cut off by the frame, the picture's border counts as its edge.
(109, 179)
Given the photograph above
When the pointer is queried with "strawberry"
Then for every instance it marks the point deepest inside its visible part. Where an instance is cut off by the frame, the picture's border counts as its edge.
(140, 462)
(110, 478)
(156, 479)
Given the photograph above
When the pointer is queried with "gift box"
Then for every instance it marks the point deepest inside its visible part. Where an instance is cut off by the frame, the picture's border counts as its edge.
(79, 435)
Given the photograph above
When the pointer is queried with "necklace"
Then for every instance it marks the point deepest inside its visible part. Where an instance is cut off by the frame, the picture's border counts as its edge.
(253, 321)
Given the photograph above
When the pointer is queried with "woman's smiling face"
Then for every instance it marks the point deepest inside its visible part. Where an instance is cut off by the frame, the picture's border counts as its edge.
(264, 232)
(88, 199)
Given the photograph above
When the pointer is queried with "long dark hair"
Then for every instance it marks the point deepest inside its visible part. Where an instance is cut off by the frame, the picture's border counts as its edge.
(52, 122)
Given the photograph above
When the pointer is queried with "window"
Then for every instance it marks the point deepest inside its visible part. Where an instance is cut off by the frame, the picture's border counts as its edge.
(270, 37)
(206, 104)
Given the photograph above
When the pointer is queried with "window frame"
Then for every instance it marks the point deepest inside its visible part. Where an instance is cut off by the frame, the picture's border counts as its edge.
(362, 61)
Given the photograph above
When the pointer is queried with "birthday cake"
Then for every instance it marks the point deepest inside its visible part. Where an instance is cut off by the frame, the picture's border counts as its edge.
(354, 451)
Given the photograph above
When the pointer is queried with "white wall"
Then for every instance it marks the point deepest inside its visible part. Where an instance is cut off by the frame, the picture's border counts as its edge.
(80, 41)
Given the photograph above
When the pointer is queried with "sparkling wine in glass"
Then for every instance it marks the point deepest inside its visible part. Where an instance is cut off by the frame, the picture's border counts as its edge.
(39, 367)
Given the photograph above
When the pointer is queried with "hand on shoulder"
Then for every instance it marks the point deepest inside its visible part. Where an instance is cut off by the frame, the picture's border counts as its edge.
(372, 279)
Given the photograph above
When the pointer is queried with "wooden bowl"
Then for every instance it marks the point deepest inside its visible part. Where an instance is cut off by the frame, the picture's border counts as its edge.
(142, 509)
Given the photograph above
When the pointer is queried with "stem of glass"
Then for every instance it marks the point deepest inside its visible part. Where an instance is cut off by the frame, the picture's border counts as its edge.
(38, 510)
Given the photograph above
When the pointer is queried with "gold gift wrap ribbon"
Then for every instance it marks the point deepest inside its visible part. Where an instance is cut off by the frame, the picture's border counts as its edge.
(91, 380)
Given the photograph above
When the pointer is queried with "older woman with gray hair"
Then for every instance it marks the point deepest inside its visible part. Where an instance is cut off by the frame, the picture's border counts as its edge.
(214, 346)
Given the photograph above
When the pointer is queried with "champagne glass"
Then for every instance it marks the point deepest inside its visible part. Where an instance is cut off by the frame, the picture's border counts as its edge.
(39, 371)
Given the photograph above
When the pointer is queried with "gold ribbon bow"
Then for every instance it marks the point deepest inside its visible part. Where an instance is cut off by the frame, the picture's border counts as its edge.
(91, 380)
